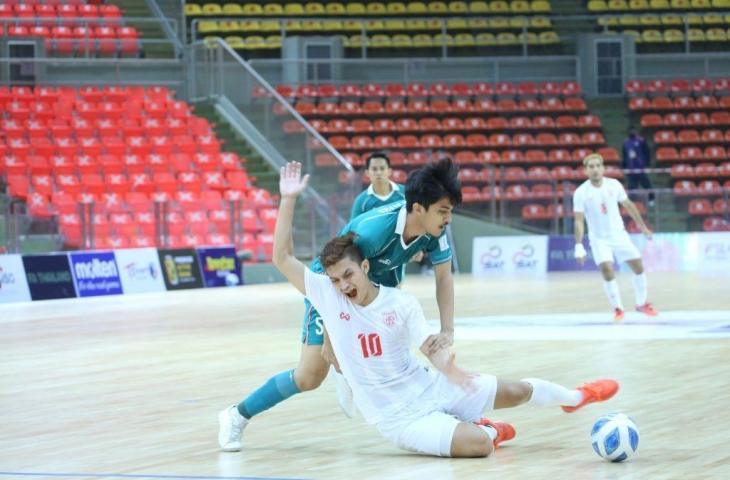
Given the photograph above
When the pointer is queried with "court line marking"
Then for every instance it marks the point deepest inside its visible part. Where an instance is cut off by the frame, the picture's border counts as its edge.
(135, 475)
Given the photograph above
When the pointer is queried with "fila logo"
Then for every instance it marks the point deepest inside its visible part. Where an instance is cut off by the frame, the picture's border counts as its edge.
(384, 261)
(345, 316)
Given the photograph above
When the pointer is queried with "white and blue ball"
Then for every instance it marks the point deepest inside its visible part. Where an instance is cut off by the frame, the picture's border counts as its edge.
(615, 437)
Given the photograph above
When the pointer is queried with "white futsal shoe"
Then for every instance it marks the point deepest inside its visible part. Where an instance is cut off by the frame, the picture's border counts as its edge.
(344, 394)
(231, 428)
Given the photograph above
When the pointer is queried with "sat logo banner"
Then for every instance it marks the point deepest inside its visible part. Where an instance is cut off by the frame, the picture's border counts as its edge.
(523, 254)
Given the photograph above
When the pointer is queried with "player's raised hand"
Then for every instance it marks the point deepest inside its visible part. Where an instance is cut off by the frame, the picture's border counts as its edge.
(291, 182)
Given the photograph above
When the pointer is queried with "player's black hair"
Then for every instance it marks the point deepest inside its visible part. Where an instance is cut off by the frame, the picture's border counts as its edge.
(339, 248)
(375, 155)
(433, 182)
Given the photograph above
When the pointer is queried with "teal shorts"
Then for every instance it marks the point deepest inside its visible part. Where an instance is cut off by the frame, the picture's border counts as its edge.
(313, 327)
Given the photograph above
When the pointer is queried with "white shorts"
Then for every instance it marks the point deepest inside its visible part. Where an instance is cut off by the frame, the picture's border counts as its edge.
(427, 425)
(620, 246)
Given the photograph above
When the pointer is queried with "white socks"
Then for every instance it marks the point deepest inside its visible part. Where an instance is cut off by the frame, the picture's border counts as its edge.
(639, 282)
(614, 296)
(545, 394)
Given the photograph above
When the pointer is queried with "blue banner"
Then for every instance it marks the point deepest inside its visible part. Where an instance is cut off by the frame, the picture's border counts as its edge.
(219, 266)
(49, 276)
(96, 273)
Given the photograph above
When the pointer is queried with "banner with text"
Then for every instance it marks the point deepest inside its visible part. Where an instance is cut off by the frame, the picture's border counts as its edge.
(523, 254)
(95, 273)
(139, 270)
(219, 266)
(13, 284)
(180, 268)
(49, 276)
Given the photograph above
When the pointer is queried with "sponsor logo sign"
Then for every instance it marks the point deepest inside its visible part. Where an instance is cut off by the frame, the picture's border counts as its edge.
(180, 268)
(95, 273)
(13, 284)
(49, 276)
(219, 266)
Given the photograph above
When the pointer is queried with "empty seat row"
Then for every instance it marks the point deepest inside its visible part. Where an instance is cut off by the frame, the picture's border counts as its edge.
(704, 206)
(598, 6)
(64, 10)
(678, 86)
(662, 103)
(691, 154)
(679, 120)
(701, 170)
(675, 36)
(693, 137)
(705, 187)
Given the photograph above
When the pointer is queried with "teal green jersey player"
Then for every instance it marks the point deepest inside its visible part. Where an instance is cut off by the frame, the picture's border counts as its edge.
(388, 237)
(382, 190)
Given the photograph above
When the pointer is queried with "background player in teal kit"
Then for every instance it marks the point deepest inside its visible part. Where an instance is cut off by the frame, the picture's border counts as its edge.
(388, 237)
(382, 190)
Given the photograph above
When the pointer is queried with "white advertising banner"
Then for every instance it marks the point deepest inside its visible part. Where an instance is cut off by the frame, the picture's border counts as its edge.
(713, 252)
(13, 284)
(139, 270)
(523, 254)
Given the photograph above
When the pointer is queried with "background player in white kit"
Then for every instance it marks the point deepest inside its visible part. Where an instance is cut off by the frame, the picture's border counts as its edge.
(597, 201)
(372, 329)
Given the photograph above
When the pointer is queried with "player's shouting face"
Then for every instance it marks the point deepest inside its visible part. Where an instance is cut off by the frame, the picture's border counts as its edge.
(351, 279)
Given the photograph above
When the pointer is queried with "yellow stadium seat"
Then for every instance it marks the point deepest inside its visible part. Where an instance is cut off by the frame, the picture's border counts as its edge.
(633, 33)
(618, 5)
(232, 9)
(696, 35)
(332, 25)
(713, 19)
(528, 37)
(252, 9)
(464, 40)
(352, 25)
(273, 42)
(478, 7)
(355, 8)
(520, 6)
(458, 7)
(540, 22)
(357, 41)
(249, 26)
(640, 5)
(695, 19)
(701, 4)
(517, 22)
(717, 35)
(721, 4)
(681, 4)
(433, 24)
(375, 8)
(402, 41)
(255, 42)
(395, 8)
(727, 19)
(651, 36)
(659, 4)
(293, 9)
(456, 24)
(416, 8)
(374, 26)
(236, 43)
(416, 25)
(485, 39)
(311, 26)
(437, 7)
(650, 20)
(193, 10)
(207, 26)
(597, 6)
(498, 23)
(499, 7)
(671, 19)
(629, 21)
(608, 21)
(422, 41)
(548, 38)
(334, 8)
(313, 8)
(395, 25)
(230, 26)
(273, 9)
(540, 6)
(270, 25)
(478, 23)
(506, 39)
(212, 9)
(380, 41)
(291, 26)
(443, 39)
(673, 36)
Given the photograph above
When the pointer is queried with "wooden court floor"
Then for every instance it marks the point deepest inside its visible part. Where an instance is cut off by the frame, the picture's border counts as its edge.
(131, 386)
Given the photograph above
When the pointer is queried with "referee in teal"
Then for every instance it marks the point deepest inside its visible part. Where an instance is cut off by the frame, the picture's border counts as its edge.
(388, 237)
(382, 190)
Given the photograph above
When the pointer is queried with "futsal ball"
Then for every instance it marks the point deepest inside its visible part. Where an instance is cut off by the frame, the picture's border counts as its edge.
(615, 437)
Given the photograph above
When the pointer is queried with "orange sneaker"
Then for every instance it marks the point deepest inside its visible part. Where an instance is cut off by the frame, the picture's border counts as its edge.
(647, 309)
(598, 391)
(618, 315)
(505, 431)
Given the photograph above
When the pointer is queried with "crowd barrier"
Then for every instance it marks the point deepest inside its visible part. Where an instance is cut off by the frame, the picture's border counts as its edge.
(538, 254)
(116, 272)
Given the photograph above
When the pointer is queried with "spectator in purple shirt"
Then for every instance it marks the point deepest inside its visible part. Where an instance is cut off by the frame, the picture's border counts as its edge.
(636, 156)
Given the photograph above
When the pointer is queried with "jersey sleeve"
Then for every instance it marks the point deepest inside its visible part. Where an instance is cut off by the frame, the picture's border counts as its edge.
(357, 206)
(620, 192)
(416, 323)
(578, 202)
(319, 290)
(439, 250)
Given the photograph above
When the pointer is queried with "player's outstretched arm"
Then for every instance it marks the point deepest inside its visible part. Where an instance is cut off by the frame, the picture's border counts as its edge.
(635, 214)
(291, 185)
